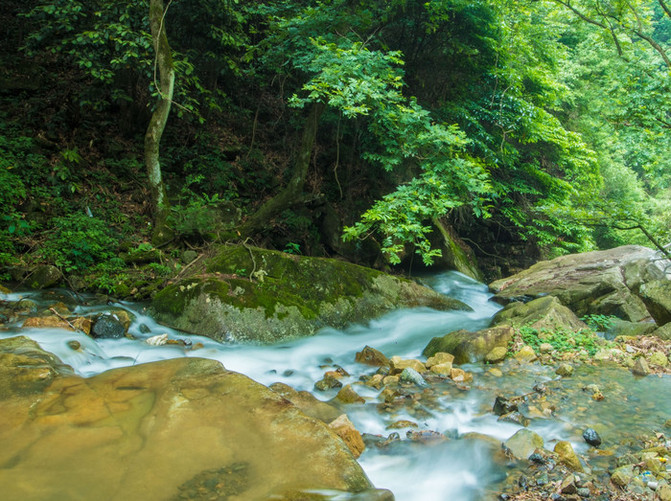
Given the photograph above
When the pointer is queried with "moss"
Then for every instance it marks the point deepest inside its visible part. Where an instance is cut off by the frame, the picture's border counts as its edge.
(288, 296)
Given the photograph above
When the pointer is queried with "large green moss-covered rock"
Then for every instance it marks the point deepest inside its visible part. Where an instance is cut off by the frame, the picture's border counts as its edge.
(176, 429)
(601, 282)
(243, 293)
(656, 295)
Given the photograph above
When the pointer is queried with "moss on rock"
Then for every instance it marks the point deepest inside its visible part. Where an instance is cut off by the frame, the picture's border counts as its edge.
(252, 294)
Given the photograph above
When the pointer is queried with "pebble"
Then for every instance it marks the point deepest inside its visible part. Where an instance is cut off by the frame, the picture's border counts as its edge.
(591, 437)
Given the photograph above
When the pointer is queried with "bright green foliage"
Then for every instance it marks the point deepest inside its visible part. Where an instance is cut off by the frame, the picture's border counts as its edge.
(562, 340)
(361, 82)
(79, 242)
(599, 323)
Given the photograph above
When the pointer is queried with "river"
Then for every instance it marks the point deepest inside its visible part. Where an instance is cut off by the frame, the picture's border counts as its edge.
(465, 467)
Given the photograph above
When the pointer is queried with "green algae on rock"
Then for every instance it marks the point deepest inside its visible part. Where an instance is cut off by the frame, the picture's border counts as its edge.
(244, 293)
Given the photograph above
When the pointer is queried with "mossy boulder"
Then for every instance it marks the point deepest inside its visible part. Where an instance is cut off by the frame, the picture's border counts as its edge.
(601, 282)
(656, 295)
(468, 347)
(243, 293)
(542, 313)
(455, 254)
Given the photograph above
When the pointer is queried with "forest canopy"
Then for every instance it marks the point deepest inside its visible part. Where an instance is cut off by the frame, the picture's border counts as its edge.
(333, 127)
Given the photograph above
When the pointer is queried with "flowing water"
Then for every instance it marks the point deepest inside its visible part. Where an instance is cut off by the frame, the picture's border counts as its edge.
(467, 466)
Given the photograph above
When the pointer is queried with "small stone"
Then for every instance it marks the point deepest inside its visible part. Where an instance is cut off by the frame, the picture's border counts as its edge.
(444, 369)
(568, 485)
(399, 364)
(542, 478)
(425, 436)
(583, 492)
(526, 354)
(460, 376)
(516, 418)
(622, 476)
(410, 375)
(664, 493)
(74, 345)
(546, 348)
(503, 406)
(640, 367)
(158, 340)
(440, 358)
(108, 327)
(496, 354)
(144, 329)
(391, 380)
(327, 382)
(403, 423)
(348, 396)
(496, 372)
(344, 428)
(376, 381)
(564, 370)
(567, 455)
(591, 437)
(659, 358)
(371, 356)
(523, 443)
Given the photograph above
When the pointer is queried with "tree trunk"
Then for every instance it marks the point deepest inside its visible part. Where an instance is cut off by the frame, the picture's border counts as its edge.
(166, 72)
(293, 192)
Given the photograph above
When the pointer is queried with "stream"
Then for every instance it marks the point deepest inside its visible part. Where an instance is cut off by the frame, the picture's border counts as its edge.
(465, 467)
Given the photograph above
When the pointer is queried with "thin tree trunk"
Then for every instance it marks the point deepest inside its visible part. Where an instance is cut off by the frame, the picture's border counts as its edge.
(293, 192)
(165, 85)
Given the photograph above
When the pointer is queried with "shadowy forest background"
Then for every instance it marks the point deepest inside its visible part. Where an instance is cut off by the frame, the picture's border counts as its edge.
(132, 132)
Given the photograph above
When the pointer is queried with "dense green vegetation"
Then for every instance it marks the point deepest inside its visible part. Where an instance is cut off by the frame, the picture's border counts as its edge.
(331, 127)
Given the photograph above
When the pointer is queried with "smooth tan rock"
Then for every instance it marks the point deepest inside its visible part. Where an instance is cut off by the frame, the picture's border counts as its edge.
(142, 432)
(307, 402)
(371, 356)
(50, 322)
(461, 376)
(640, 367)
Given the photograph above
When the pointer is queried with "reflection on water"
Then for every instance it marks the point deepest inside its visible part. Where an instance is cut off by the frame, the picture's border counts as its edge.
(463, 467)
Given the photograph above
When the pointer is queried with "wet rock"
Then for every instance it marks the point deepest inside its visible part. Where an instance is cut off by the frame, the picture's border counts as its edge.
(622, 476)
(525, 354)
(410, 375)
(440, 358)
(640, 367)
(656, 295)
(567, 455)
(664, 493)
(167, 424)
(107, 327)
(216, 483)
(371, 356)
(44, 276)
(344, 428)
(444, 369)
(375, 381)
(289, 297)
(50, 322)
(460, 376)
(403, 423)
(568, 485)
(564, 370)
(391, 380)
(591, 437)
(307, 403)
(399, 364)
(502, 406)
(425, 436)
(348, 396)
(74, 345)
(545, 313)
(600, 282)
(144, 329)
(515, 418)
(523, 443)
(497, 354)
(659, 358)
(328, 382)
(469, 346)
